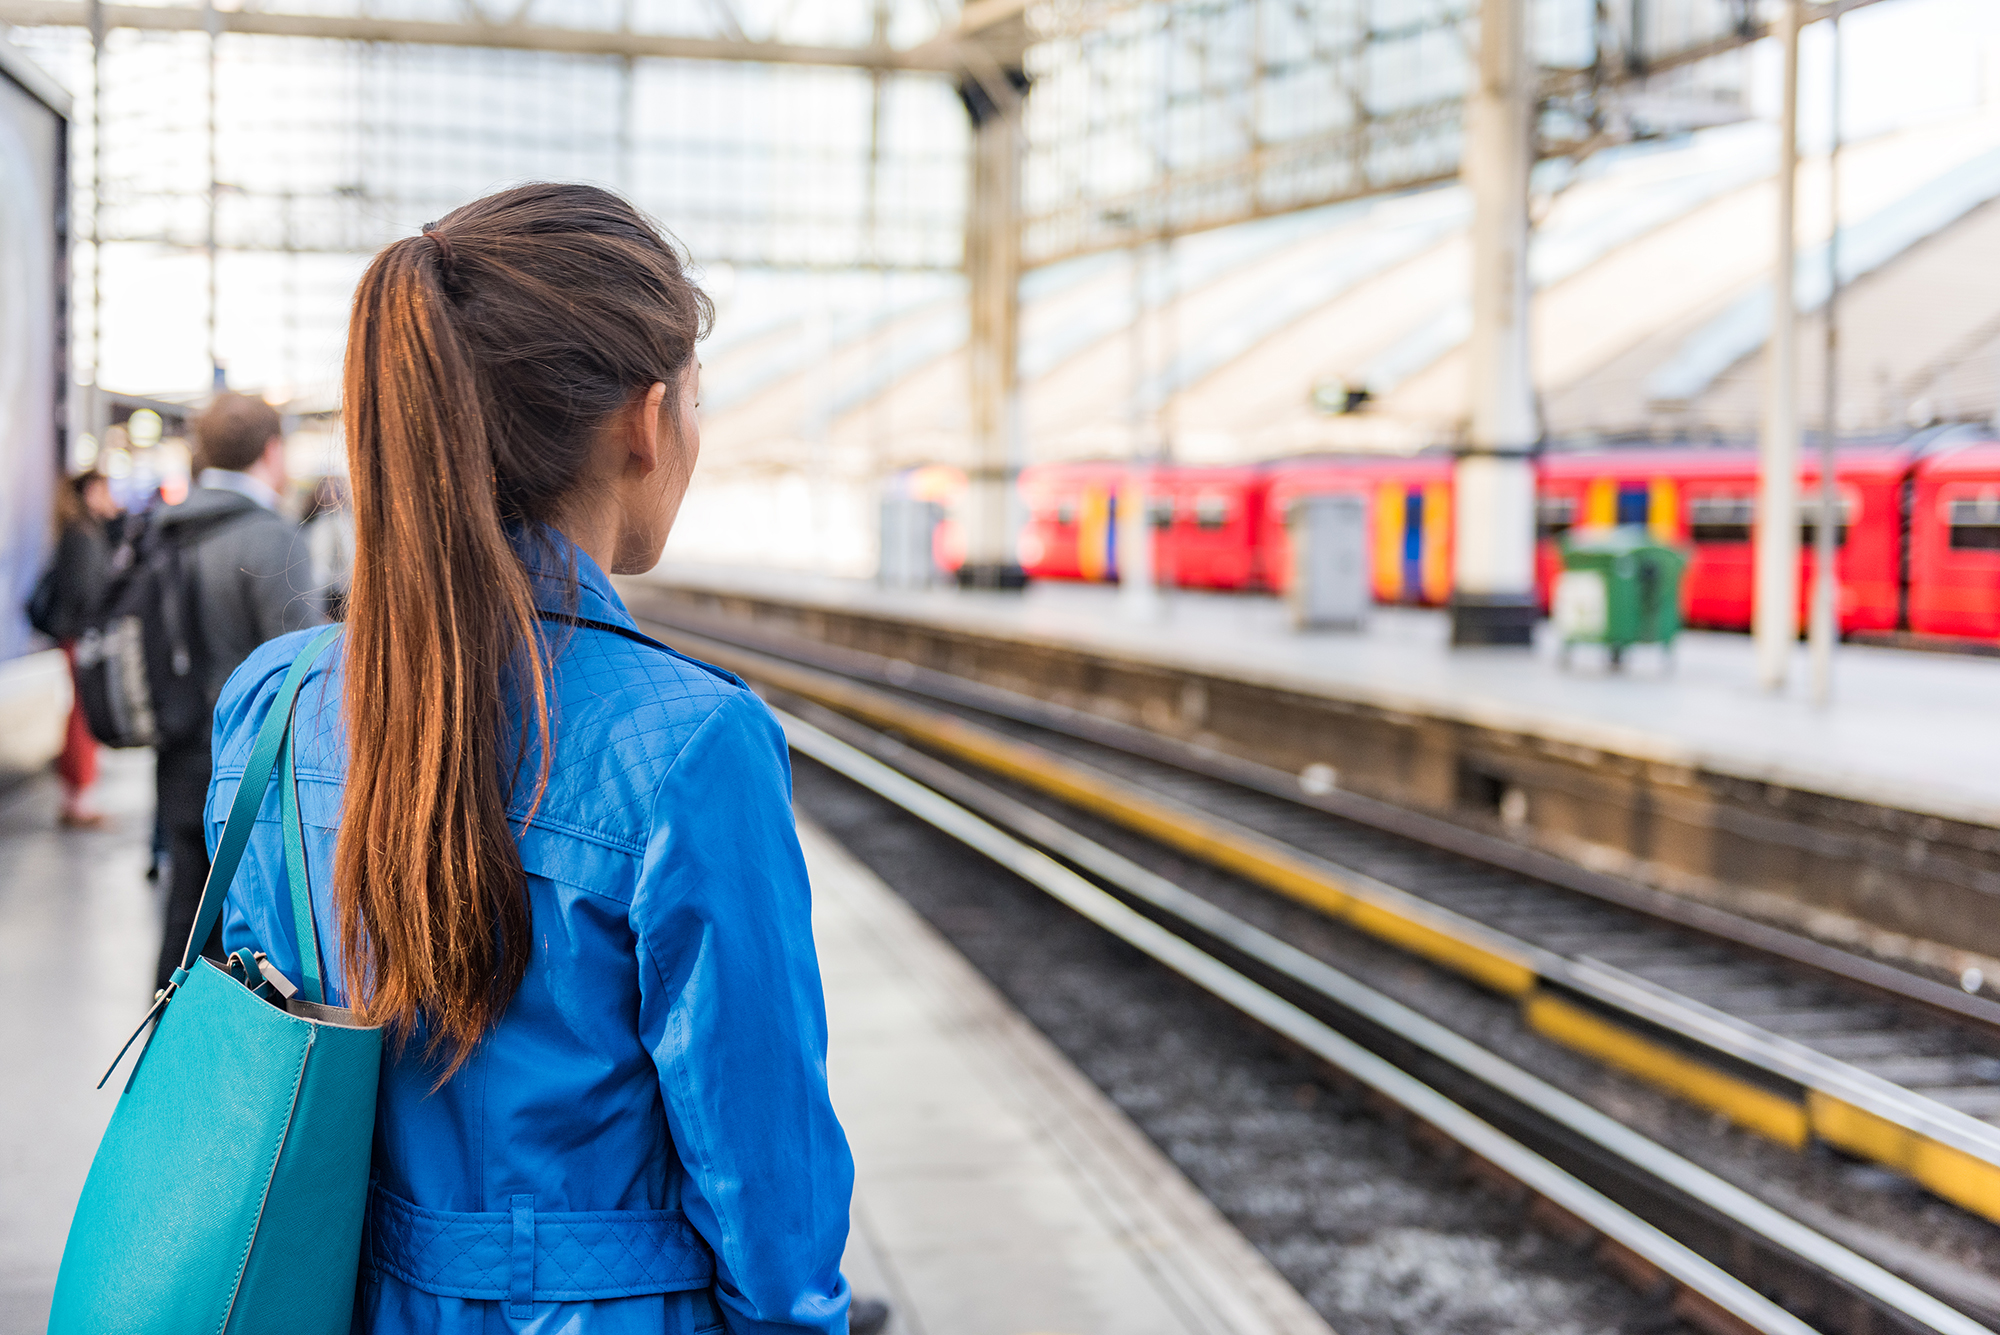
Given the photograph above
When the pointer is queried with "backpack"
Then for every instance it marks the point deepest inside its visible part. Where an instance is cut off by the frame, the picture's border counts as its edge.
(141, 662)
(67, 589)
(42, 609)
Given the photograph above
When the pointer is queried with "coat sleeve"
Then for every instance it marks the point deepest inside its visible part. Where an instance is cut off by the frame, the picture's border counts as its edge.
(731, 1010)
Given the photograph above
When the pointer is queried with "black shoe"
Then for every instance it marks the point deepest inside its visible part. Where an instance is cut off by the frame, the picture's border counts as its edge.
(867, 1316)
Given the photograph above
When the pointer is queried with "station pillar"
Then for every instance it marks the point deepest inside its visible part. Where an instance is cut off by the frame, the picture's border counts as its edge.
(1493, 562)
(993, 277)
(1774, 612)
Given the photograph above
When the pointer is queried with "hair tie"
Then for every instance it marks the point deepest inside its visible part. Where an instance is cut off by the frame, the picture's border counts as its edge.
(443, 244)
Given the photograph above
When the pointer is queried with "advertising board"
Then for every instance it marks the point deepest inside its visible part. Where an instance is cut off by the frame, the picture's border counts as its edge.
(33, 270)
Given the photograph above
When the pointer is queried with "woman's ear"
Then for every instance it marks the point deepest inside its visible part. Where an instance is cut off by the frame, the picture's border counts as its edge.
(644, 438)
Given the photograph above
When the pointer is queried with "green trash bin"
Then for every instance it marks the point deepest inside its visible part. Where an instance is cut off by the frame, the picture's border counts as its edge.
(1618, 587)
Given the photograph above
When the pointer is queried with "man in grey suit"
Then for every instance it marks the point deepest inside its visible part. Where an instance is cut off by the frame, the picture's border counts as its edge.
(252, 578)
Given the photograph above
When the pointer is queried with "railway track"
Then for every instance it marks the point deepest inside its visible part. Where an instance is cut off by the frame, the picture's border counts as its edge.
(1793, 1039)
(1784, 1043)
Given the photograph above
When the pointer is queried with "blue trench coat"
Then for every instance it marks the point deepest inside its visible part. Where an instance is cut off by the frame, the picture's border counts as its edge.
(666, 1052)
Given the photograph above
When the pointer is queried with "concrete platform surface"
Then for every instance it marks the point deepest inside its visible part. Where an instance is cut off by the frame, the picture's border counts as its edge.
(1906, 729)
(79, 933)
(998, 1192)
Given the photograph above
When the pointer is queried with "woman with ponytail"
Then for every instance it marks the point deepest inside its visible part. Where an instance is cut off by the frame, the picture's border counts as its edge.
(555, 858)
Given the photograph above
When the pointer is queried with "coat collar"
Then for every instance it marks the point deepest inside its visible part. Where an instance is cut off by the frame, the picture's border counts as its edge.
(550, 558)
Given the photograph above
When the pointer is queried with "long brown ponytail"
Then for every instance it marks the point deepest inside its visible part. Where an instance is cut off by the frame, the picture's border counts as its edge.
(482, 358)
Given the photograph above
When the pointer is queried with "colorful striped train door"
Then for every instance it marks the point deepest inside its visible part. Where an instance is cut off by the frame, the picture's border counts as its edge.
(1663, 513)
(1412, 542)
(1390, 514)
(1654, 506)
(1435, 559)
(1600, 503)
(1096, 532)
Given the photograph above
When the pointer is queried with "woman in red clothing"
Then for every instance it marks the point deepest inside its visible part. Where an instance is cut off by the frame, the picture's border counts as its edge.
(84, 511)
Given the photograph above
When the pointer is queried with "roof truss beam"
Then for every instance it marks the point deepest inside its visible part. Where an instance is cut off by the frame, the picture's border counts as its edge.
(934, 57)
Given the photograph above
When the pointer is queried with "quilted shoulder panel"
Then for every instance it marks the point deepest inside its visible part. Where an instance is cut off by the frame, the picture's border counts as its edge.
(623, 712)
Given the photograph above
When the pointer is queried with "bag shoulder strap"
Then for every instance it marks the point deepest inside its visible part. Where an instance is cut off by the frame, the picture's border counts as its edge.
(271, 738)
(306, 927)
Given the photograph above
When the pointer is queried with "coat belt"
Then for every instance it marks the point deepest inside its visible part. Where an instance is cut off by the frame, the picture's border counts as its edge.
(524, 1256)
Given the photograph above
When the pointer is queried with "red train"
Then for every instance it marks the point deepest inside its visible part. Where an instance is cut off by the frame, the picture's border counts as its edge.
(1918, 525)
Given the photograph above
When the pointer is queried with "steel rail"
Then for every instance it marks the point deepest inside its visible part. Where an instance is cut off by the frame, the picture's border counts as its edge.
(1839, 1265)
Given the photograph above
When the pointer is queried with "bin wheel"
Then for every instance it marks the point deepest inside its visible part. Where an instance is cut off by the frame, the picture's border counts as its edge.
(1617, 657)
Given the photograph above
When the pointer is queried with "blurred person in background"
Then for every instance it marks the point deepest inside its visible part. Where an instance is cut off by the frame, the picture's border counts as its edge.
(90, 523)
(329, 526)
(252, 580)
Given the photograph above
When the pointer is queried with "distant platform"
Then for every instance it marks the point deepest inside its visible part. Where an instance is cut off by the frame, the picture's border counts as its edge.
(1873, 823)
(1913, 730)
(997, 1193)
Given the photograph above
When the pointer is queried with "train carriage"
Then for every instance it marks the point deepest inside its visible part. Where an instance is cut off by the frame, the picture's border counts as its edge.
(1070, 530)
(1706, 500)
(1918, 531)
(1601, 491)
(1205, 523)
(1954, 543)
(1409, 519)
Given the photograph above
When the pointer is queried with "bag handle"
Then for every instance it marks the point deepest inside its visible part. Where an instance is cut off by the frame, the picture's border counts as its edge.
(295, 872)
(271, 738)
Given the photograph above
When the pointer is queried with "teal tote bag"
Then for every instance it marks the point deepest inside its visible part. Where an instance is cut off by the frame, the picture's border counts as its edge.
(228, 1192)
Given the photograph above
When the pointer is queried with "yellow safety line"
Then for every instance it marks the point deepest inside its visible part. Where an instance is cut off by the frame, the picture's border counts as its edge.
(1296, 878)
(1747, 1105)
(1962, 1178)
(1953, 1174)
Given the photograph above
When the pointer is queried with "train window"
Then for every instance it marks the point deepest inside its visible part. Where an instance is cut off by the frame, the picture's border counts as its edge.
(1161, 508)
(1974, 522)
(1809, 518)
(1723, 518)
(1211, 510)
(1555, 515)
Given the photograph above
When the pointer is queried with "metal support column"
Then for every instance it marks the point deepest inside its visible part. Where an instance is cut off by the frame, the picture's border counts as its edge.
(1775, 608)
(96, 427)
(1138, 582)
(1824, 627)
(993, 277)
(212, 23)
(1493, 576)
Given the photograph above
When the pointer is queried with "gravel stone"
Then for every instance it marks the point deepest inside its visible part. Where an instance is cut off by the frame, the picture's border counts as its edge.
(1382, 1237)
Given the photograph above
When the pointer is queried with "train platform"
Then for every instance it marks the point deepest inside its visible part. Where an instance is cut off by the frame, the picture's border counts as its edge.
(1871, 822)
(1910, 729)
(997, 1192)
